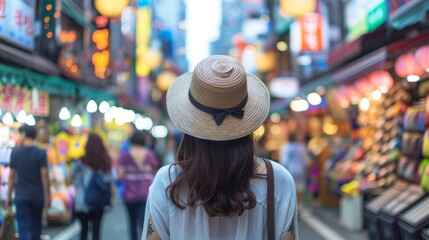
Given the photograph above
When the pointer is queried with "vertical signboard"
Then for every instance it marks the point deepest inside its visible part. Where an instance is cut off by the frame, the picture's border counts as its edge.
(312, 33)
(364, 16)
(17, 22)
(143, 32)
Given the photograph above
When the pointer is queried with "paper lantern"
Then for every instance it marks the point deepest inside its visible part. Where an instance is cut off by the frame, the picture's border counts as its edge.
(111, 8)
(265, 61)
(165, 79)
(422, 57)
(364, 86)
(152, 59)
(382, 80)
(297, 8)
(406, 65)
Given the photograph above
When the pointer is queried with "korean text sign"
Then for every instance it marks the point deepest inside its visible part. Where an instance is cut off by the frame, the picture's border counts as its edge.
(17, 22)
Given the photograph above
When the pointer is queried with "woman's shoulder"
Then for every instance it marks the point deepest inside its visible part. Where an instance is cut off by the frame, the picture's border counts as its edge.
(167, 173)
(282, 174)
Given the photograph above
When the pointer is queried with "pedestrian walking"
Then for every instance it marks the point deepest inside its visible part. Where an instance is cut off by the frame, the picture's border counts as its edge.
(95, 161)
(29, 177)
(294, 156)
(217, 188)
(137, 168)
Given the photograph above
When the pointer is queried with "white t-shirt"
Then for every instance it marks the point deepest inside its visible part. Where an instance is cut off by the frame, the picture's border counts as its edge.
(174, 223)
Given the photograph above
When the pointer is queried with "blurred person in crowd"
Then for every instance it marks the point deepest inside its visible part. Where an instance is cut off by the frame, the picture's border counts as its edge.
(96, 158)
(295, 157)
(170, 151)
(29, 177)
(217, 188)
(136, 169)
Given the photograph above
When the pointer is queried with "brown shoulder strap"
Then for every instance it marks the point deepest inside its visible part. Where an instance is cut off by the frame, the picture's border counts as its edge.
(270, 199)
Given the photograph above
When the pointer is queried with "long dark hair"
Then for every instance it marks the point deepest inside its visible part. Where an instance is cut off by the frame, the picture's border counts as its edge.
(96, 155)
(217, 173)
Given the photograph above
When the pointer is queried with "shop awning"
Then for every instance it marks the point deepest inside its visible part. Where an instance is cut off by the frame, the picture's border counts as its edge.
(410, 14)
(96, 94)
(24, 77)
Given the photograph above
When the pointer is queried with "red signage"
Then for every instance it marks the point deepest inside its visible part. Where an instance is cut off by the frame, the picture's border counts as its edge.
(311, 33)
(16, 98)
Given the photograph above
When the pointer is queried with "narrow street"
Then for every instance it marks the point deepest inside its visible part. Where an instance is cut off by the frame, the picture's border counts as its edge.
(312, 226)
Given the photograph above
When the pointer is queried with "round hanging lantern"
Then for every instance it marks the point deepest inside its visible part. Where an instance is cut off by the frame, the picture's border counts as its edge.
(265, 61)
(165, 79)
(353, 94)
(422, 57)
(111, 8)
(297, 8)
(364, 86)
(406, 65)
(382, 80)
(152, 58)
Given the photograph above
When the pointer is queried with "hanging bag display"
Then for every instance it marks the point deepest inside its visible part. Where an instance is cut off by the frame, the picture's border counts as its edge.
(425, 147)
(424, 179)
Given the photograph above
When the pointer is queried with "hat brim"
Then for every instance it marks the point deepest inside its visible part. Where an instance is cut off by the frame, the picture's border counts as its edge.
(197, 123)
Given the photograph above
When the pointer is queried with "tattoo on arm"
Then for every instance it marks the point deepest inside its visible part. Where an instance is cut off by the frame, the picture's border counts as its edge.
(152, 233)
(150, 228)
(258, 163)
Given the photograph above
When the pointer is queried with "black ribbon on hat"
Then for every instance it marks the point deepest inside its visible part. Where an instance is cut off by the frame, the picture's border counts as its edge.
(220, 114)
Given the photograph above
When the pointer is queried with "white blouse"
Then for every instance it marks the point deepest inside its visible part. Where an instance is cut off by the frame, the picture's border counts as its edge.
(174, 223)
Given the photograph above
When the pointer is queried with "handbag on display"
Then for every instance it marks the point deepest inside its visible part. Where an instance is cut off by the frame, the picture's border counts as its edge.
(8, 225)
(425, 147)
(410, 170)
(403, 160)
(424, 178)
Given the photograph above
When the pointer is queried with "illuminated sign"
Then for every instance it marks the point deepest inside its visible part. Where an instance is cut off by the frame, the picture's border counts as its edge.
(311, 32)
(364, 16)
(101, 58)
(17, 22)
(143, 32)
(67, 37)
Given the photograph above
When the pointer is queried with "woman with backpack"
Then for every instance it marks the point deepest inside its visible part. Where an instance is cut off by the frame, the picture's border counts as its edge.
(137, 168)
(95, 165)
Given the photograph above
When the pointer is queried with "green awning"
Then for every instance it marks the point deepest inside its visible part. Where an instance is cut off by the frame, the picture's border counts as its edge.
(10, 75)
(24, 77)
(409, 14)
(96, 94)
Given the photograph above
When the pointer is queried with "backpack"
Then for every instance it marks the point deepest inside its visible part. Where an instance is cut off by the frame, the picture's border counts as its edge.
(98, 191)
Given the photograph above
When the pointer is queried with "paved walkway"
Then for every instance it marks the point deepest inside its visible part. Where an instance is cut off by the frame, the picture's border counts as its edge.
(318, 224)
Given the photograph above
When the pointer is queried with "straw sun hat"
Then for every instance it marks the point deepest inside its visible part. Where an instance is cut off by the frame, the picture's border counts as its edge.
(218, 101)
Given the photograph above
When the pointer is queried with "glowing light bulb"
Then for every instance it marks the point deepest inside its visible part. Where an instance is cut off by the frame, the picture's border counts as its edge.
(64, 114)
(7, 118)
(314, 98)
(21, 117)
(159, 131)
(30, 120)
(91, 107)
(76, 121)
(104, 107)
